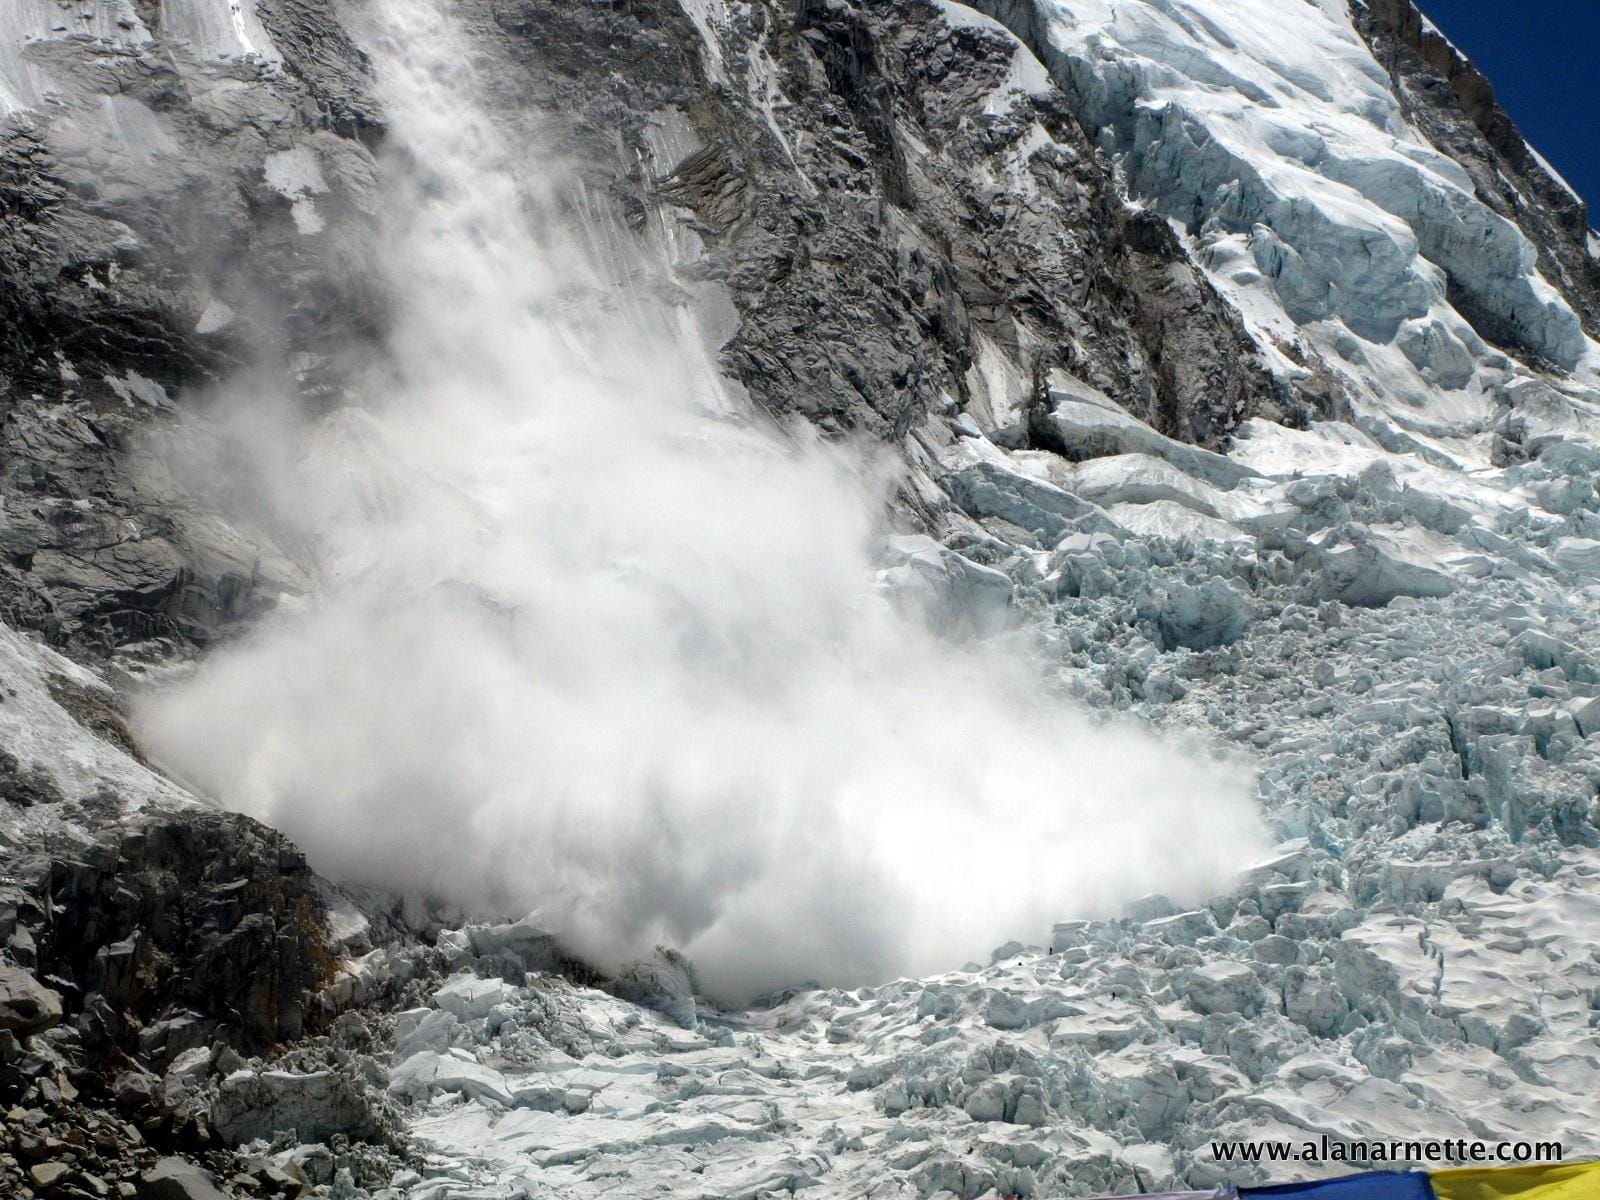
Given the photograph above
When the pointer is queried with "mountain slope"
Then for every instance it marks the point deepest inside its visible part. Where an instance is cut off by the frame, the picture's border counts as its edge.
(1237, 354)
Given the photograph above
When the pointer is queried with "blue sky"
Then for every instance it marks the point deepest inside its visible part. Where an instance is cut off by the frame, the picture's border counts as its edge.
(1543, 57)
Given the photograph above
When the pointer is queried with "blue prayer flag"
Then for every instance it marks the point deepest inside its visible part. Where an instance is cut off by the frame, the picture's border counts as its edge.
(1373, 1185)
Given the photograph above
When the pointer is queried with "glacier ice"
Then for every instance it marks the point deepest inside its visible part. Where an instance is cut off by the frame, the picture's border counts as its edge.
(1273, 140)
(1401, 641)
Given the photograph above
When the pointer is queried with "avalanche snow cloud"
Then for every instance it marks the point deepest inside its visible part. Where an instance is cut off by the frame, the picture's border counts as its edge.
(589, 638)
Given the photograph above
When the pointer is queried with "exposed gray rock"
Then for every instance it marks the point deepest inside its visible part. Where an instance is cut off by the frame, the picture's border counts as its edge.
(115, 292)
(178, 1179)
(205, 920)
(27, 1007)
(865, 177)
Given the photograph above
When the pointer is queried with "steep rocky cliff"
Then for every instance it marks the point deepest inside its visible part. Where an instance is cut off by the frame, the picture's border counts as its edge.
(1239, 354)
(903, 218)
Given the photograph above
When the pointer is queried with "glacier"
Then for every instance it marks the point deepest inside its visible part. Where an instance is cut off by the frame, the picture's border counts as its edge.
(1375, 918)
(1414, 961)
(1275, 142)
(1391, 611)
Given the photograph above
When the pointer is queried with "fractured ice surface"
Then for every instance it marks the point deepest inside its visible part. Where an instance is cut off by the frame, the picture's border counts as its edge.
(1404, 644)
(1270, 136)
(1403, 641)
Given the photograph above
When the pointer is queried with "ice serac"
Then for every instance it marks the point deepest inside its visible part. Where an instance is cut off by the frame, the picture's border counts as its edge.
(1450, 101)
(1358, 219)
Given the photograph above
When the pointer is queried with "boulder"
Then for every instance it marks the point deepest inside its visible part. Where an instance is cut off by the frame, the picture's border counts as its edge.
(177, 1179)
(27, 1007)
(48, 1176)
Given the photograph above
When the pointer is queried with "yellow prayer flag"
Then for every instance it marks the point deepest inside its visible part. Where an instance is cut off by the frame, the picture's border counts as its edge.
(1545, 1181)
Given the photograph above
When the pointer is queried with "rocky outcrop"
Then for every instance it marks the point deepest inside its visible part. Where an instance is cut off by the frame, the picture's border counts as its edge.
(188, 929)
(155, 956)
(176, 213)
(178, 1179)
(903, 214)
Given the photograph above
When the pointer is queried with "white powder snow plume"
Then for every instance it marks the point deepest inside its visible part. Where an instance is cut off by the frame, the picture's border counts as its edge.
(589, 640)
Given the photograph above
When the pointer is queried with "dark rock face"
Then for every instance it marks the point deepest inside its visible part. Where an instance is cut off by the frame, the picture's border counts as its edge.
(134, 264)
(154, 957)
(1454, 105)
(835, 167)
(192, 927)
(830, 169)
